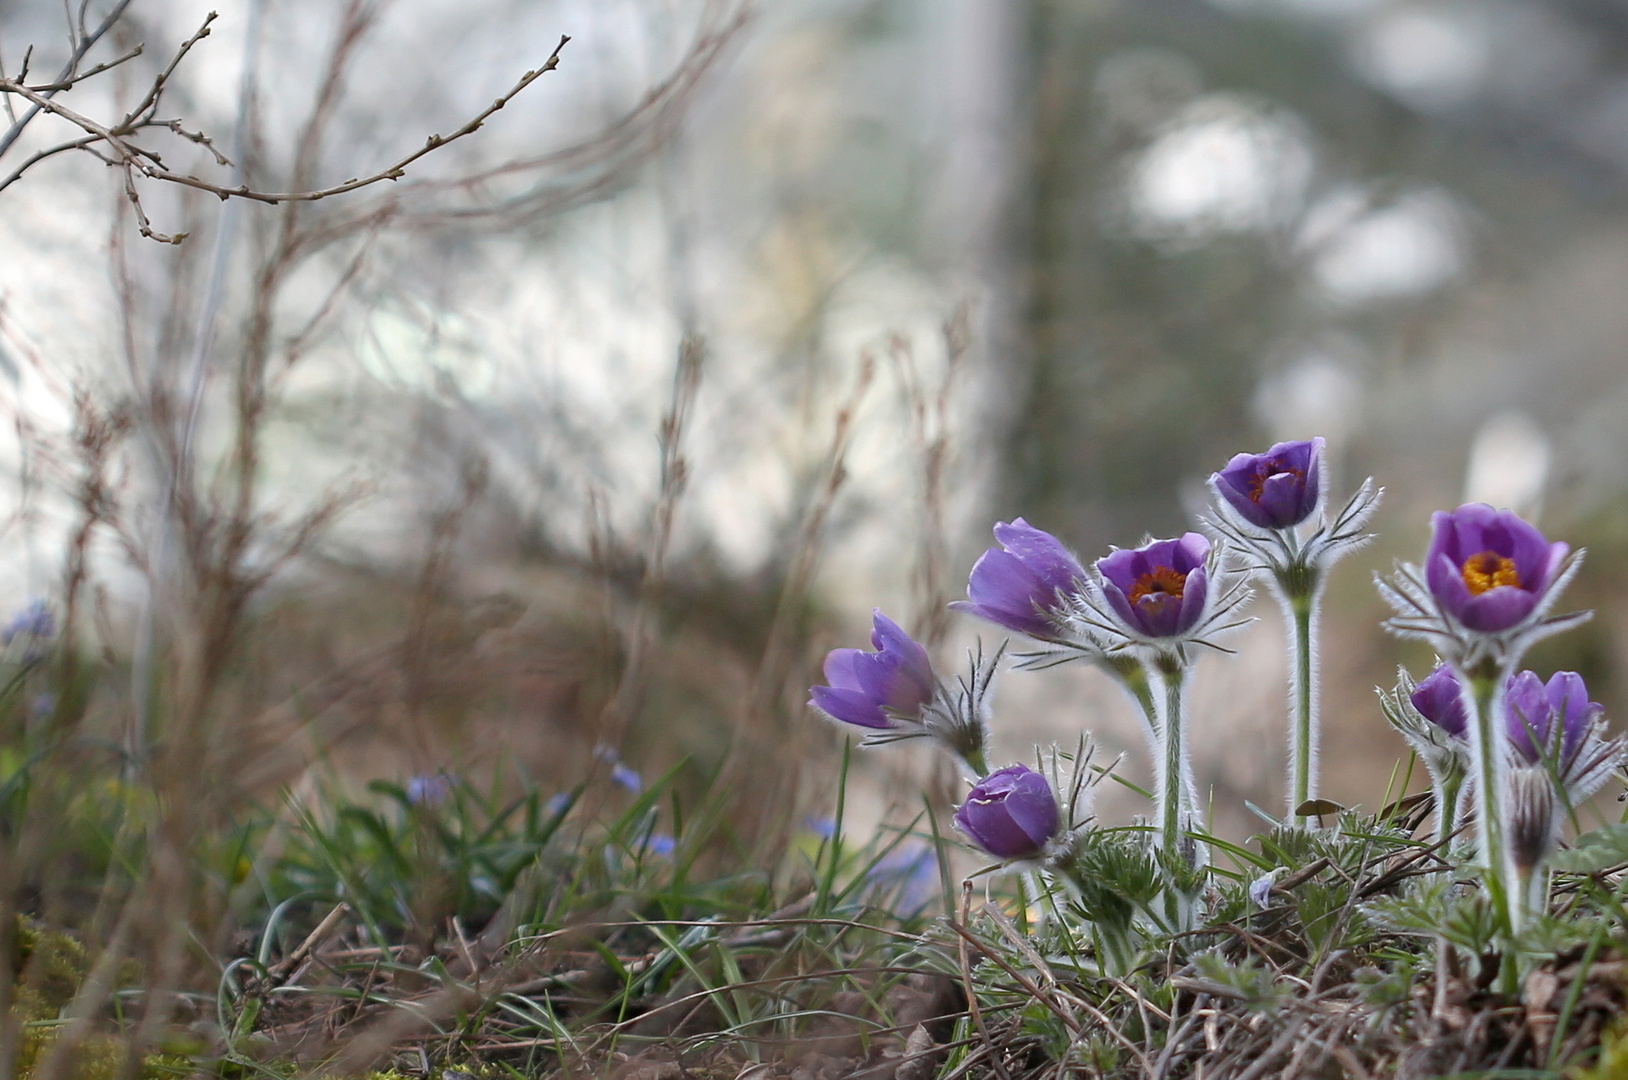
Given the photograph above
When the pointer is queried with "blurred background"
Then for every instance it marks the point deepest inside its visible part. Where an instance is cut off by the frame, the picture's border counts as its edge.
(590, 435)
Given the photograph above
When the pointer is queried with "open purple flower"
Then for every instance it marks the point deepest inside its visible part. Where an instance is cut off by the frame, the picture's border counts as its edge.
(1158, 590)
(1549, 720)
(1011, 814)
(867, 688)
(1275, 490)
(1020, 584)
(1488, 569)
(1439, 697)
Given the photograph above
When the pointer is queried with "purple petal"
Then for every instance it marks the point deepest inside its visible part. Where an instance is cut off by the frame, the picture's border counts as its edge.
(1190, 552)
(1122, 605)
(849, 706)
(1042, 553)
(1446, 582)
(1193, 595)
(1033, 808)
(1121, 568)
(1011, 814)
(1544, 575)
(910, 672)
(1004, 590)
(1527, 718)
(1568, 699)
(840, 669)
(1497, 609)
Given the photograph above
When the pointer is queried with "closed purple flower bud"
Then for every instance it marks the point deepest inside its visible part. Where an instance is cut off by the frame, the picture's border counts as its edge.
(1011, 814)
(1440, 699)
(1275, 490)
(1549, 721)
(867, 687)
(1019, 585)
(1158, 590)
(1487, 568)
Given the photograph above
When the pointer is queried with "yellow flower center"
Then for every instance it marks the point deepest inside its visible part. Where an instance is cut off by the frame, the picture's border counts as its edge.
(1158, 587)
(1489, 570)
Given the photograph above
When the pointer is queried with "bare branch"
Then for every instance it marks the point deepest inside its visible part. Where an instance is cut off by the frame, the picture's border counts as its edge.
(133, 159)
(69, 83)
(86, 43)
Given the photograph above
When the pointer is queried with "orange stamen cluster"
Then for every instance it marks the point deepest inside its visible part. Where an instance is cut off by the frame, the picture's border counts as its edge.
(1489, 570)
(1162, 586)
(1265, 472)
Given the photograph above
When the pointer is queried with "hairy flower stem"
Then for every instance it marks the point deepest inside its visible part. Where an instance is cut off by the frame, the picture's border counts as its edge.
(1298, 590)
(1130, 674)
(1448, 792)
(1484, 683)
(975, 762)
(1175, 799)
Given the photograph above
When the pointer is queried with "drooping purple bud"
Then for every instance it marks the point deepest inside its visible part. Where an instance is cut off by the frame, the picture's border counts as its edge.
(1011, 814)
(1020, 584)
(1549, 721)
(1440, 699)
(1275, 490)
(1158, 590)
(866, 688)
(1487, 568)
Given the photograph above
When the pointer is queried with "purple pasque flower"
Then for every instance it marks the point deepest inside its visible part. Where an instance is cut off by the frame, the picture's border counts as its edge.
(867, 689)
(1549, 720)
(1021, 584)
(1158, 590)
(1275, 490)
(1439, 697)
(1488, 569)
(1011, 813)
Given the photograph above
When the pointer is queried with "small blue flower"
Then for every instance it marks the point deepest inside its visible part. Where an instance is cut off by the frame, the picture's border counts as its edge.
(661, 844)
(558, 804)
(912, 870)
(35, 621)
(429, 789)
(627, 777)
(1260, 890)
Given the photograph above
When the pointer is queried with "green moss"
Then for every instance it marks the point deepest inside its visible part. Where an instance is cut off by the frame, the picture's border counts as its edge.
(1613, 1061)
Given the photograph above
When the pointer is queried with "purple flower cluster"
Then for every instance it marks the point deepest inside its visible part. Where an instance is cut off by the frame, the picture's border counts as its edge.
(1521, 747)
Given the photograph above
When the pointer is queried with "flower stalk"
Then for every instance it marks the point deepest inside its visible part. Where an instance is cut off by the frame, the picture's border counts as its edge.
(1176, 795)
(1271, 506)
(1302, 606)
(1489, 765)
